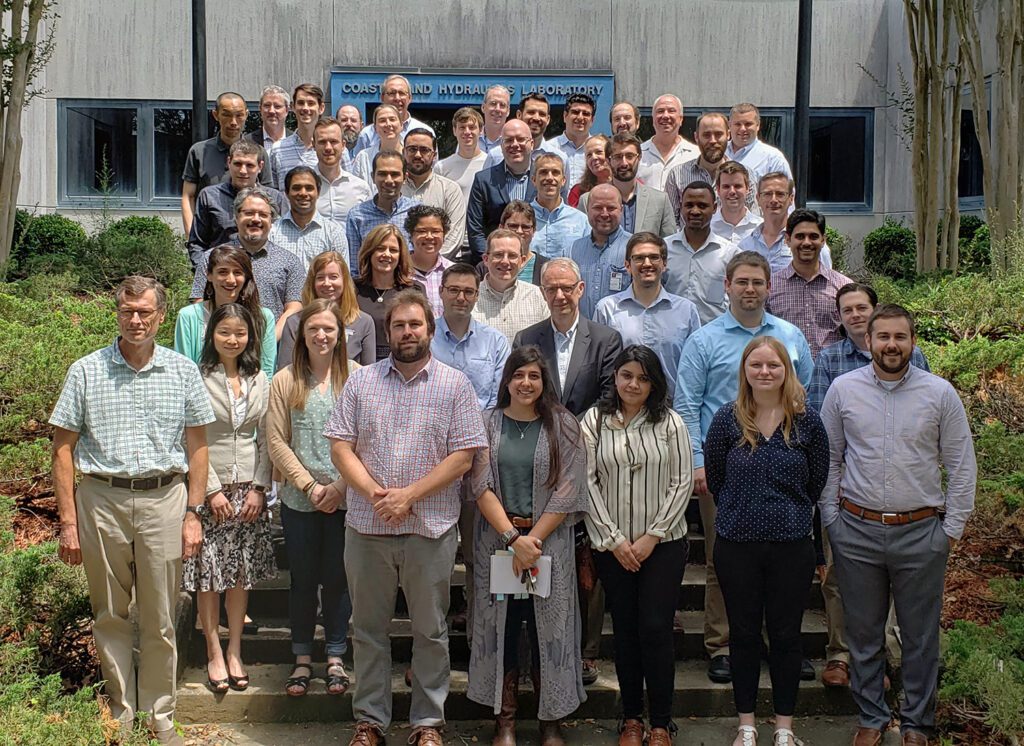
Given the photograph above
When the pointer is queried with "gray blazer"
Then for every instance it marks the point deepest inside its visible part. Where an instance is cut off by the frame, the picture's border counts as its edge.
(244, 446)
(653, 211)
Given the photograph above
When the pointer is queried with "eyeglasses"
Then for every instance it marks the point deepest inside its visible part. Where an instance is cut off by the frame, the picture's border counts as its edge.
(418, 150)
(519, 227)
(468, 293)
(642, 260)
(552, 290)
(773, 195)
(428, 232)
(129, 314)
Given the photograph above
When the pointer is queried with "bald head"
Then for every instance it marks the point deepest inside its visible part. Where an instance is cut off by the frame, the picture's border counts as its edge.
(604, 211)
(516, 145)
(667, 114)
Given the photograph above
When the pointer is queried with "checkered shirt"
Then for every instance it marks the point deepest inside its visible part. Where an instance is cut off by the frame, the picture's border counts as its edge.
(366, 216)
(287, 154)
(431, 282)
(307, 243)
(401, 431)
(130, 423)
(808, 304)
(511, 311)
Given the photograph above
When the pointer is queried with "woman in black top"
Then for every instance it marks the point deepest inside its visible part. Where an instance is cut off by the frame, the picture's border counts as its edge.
(384, 269)
(766, 458)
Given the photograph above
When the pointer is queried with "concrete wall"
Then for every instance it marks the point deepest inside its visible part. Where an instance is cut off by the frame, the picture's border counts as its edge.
(710, 52)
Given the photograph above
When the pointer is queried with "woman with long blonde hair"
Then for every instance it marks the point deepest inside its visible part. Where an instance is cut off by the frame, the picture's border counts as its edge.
(312, 492)
(766, 459)
(329, 278)
(385, 268)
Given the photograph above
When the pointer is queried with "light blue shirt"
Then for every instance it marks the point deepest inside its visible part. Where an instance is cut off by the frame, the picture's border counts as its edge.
(557, 229)
(663, 326)
(307, 243)
(603, 268)
(708, 375)
(481, 355)
(366, 216)
(575, 156)
(369, 137)
(564, 344)
(779, 255)
(759, 158)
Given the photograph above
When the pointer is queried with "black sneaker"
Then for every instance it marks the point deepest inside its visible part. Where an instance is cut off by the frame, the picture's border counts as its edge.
(807, 671)
(719, 670)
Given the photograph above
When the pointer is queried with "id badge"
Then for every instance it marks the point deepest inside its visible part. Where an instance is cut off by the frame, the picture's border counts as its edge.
(615, 284)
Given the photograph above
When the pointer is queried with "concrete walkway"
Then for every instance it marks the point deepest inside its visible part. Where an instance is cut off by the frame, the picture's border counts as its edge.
(813, 731)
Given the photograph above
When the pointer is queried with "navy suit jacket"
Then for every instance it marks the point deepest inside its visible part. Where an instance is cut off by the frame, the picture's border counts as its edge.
(590, 370)
(487, 199)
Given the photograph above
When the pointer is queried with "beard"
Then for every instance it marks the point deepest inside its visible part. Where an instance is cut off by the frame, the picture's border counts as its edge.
(349, 137)
(879, 360)
(414, 355)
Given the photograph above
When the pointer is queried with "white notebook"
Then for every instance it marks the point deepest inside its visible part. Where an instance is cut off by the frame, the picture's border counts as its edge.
(503, 580)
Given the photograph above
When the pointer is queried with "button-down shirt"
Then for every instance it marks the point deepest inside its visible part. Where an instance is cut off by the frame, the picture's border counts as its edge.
(261, 137)
(759, 158)
(843, 357)
(278, 273)
(307, 243)
(440, 191)
(564, 344)
(289, 153)
(369, 138)
(512, 310)
(338, 196)
(699, 275)
(517, 185)
(574, 154)
(602, 266)
(663, 326)
(431, 281)
(810, 304)
(557, 229)
(779, 255)
(735, 233)
(486, 144)
(480, 354)
(366, 216)
(130, 423)
(401, 430)
(213, 221)
(362, 166)
(893, 443)
(709, 369)
(680, 177)
(654, 169)
(495, 156)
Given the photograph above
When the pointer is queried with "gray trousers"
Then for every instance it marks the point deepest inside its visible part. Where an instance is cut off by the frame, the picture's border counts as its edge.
(910, 562)
(375, 566)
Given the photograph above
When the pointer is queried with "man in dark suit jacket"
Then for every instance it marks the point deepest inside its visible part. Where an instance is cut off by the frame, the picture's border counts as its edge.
(592, 349)
(495, 187)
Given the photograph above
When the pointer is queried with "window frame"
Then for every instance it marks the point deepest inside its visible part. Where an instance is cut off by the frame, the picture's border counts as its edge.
(976, 203)
(866, 206)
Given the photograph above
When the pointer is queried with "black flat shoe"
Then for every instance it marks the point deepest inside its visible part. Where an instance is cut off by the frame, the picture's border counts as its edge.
(807, 671)
(719, 669)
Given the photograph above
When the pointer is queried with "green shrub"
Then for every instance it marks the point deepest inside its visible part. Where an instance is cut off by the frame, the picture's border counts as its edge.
(140, 225)
(112, 255)
(50, 243)
(976, 251)
(839, 245)
(891, 250)
(969, 225)
(24, 459)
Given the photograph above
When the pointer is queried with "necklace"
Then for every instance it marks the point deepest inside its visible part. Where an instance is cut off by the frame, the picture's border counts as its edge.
(381, 294)
(522, 430)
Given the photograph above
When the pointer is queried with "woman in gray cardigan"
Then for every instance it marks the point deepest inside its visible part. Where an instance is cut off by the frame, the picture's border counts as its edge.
(531, 489)
(236, 552)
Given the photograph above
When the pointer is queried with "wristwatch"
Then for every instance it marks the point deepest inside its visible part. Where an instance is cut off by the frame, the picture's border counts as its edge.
(508, 538)
(198, 510)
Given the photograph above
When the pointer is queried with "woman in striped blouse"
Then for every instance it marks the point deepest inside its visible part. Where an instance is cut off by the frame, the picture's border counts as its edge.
(640, 481)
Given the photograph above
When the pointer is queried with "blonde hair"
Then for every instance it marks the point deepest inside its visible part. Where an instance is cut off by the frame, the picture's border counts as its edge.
(301, 369)
(792, 395)
(348, 303)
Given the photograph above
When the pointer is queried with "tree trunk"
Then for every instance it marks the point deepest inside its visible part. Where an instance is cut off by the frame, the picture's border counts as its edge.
(951, 235)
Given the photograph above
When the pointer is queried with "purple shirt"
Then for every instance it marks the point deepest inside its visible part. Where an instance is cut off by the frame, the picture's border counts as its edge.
(401, 431)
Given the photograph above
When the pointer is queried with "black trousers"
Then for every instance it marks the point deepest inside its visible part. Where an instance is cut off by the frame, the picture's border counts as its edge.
(520, 610)
(769, 582)
(642, 605)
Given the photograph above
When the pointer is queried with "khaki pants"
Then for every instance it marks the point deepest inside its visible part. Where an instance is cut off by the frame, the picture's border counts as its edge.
(131, 544)
(716, 623)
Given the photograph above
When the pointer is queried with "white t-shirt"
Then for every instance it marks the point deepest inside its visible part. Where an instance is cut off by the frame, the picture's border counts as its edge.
(461, 170)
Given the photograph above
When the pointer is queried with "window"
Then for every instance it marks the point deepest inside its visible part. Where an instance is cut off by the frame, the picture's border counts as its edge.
(970, 182)
(125, 154)
(841, 155)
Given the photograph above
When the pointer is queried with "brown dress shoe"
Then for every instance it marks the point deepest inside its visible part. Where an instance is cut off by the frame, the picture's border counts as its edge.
(836, 674)
(551, 733)
(632, 733)
(367, 734)
(425, 736)
(867, 737)
(505, 723)
(914, 738)
(660, 737)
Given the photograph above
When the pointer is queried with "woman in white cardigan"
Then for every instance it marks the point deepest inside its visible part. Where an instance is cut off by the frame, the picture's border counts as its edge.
(237, 551)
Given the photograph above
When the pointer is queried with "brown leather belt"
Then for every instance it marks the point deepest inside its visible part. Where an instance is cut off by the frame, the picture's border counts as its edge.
(138, 484)
(518, 522)
(889, 519)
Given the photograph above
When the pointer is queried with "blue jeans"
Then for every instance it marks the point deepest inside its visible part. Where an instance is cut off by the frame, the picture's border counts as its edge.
(315, 543)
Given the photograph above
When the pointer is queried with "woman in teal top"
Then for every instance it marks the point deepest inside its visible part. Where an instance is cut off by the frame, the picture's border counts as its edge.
(229, 279)
(302, 396)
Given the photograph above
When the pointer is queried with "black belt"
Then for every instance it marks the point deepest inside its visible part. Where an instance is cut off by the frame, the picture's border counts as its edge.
(138, 484)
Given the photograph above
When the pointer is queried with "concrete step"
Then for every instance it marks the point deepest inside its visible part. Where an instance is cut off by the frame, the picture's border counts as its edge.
(272, 644)
(266, 701)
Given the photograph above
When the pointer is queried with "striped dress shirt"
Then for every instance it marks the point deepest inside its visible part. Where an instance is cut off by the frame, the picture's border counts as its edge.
(640, 477)
(401, 431)
(431, 282)
(289, 153)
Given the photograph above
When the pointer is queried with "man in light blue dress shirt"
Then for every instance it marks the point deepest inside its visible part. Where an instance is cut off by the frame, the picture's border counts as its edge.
(558, 224)
(601, 253)
(645, 313)
(708, 378)
(775, 199)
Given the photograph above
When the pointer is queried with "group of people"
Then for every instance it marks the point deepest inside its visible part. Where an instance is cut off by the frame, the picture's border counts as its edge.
(403, 368)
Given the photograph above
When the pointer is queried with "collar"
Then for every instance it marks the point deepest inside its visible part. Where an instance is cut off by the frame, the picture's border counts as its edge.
(630, 294)
(156, 360)
(878, 381)
(316, 221)
(612, 238)
(222, 146)
(518, 177)
(430, 177)
(400, 203)
(343, 175)
(617, 421)
(446, 332)
(544, 212)
(570, 333)
(425, 372)
(729, 322)
(439, 266)
(681, 238)
(789, 272)
(851, 350)
(743, 152)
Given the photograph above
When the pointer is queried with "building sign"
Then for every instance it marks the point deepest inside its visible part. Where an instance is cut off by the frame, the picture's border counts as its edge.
(455, 89)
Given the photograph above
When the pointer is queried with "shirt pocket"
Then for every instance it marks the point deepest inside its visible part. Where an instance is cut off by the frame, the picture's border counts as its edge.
(713, 279)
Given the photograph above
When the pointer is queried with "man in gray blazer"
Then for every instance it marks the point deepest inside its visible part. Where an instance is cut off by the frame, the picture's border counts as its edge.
(580, 354)
(644, 208)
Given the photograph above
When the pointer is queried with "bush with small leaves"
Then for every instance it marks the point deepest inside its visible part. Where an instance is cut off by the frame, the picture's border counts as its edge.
(50, 243)
(891, 250)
